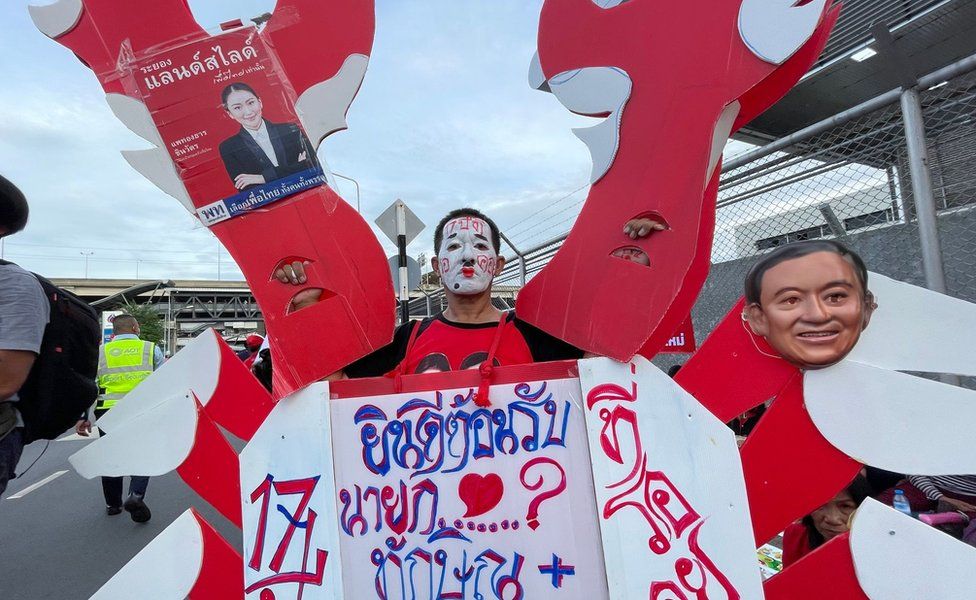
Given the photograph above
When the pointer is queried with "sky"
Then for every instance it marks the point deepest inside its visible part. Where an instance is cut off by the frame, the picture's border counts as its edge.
(445, 118)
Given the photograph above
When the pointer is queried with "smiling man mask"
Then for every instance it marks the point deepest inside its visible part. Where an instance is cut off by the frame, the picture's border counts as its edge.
(467, 258)
(810, 301)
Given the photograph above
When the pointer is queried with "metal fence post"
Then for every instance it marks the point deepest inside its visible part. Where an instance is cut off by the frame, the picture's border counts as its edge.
(918, 163)
(520, 256)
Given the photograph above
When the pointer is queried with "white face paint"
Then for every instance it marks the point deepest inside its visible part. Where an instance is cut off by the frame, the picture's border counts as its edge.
(467, 257)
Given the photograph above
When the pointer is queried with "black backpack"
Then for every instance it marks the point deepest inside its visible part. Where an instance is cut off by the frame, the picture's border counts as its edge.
(61, 385)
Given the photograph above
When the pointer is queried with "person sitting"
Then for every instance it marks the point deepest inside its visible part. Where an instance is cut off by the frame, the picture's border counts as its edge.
(825, 523)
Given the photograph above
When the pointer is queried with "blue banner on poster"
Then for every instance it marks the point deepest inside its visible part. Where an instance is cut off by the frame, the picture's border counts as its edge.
(260, 196)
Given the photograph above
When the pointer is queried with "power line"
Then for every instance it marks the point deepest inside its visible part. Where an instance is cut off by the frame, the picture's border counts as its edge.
(156, 250)
(117, 260)
(523, 221)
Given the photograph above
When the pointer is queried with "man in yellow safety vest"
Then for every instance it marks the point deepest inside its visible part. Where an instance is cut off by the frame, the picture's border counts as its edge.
(123, 363)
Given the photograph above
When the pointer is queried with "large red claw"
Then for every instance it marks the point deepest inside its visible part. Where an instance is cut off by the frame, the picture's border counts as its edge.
(685, 87)
(354, 316)
(161, 45)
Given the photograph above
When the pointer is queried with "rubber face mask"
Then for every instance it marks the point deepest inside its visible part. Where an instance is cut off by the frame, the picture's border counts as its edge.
(467, 257)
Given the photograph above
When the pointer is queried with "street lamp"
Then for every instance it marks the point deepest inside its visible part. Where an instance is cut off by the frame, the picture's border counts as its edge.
(356, 183)
(86, 255)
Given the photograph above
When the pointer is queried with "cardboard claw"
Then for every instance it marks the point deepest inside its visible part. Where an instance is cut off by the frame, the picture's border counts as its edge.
(902, 337)
(354, 316)
(624, 306)
(134, 115)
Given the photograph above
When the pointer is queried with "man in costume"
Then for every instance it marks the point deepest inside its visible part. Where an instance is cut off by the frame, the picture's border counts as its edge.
(471, 332)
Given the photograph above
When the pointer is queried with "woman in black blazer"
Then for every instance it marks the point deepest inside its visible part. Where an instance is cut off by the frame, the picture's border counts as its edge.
(261, 151)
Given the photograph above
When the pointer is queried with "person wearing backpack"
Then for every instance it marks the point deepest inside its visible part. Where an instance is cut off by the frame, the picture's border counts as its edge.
(24, 313)
(123, 364)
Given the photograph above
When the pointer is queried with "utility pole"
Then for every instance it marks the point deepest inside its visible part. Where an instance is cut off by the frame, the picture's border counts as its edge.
(218, 261)
(86, 254)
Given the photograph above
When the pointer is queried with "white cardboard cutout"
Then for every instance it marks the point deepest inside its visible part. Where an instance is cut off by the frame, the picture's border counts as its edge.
(154, 442)
(195, 367)
(537, 79)
(720, 136)
(775, 29)
(135, 116)
(293, 443)
(689, 454)
(596, 91)
(155, 163)
(322, 107)
(899, 558)
(55, 19)
(892, 420)
(915, 329)
(166, 568)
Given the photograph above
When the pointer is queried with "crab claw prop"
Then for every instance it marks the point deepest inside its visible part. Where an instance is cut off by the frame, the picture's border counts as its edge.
(824, 424)
(188, 559)
(344, 258)
(154, 431)
(672, 80)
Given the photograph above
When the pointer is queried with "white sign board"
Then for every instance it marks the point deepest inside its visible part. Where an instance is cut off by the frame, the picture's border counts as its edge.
(624, 488)
(669, 488)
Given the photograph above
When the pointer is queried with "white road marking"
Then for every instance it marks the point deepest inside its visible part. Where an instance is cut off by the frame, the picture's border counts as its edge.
(33, 487)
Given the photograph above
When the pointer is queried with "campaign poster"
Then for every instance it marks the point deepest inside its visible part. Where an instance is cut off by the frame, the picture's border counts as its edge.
(225, 112)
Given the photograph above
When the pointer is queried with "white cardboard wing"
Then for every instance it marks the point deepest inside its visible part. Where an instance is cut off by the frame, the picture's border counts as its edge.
(915, 329)
(669, 486)
(293, 445)
(899, 558)
(154, 442)
(167, 568)
(893, 421)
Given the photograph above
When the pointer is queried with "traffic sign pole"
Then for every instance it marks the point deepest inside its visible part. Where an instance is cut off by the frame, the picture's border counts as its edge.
(401, 230)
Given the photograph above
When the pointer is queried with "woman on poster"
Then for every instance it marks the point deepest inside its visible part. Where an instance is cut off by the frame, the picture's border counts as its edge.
(261, 151)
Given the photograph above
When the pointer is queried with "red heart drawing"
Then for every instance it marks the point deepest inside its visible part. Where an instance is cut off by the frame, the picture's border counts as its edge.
(480, 493)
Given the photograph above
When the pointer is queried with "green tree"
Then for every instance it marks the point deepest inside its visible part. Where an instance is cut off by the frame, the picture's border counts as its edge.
(149, 322)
